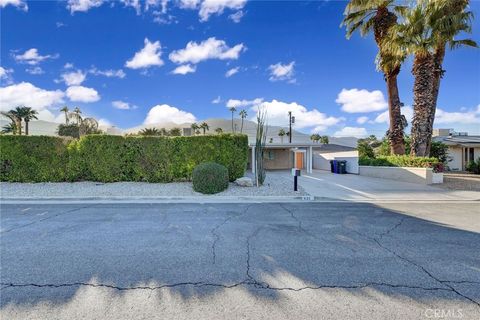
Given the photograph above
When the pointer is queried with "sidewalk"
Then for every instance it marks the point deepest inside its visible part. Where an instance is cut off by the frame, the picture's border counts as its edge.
(351, 187)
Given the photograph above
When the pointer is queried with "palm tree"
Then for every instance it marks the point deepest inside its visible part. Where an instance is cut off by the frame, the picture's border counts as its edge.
(243, 114)
(281, 134)
(376, 16)
(314, 136)
(447, 19)
(232, 110)
(204, 126)
(324, 139)
(12, 126)
(194, 127)
(28, 114)
(149, 132)
(65, 110)
(219, 130)
(426, 29)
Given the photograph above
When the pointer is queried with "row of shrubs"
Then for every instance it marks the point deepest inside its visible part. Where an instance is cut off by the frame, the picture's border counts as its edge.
(107, 158)
(402, 161)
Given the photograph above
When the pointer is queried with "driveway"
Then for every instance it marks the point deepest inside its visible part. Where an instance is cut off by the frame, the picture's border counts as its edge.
(324, 184)
(248, 261)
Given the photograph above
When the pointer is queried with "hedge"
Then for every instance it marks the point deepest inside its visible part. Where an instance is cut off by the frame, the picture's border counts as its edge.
(399, 161)
(107, 158)
(210, 178)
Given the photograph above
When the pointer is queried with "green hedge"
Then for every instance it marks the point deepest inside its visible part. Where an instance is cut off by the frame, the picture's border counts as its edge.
(399, 161)
(115, 158)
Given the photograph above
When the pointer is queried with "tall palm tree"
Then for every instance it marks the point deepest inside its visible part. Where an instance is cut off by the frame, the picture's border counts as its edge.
(18, 113)
(426, 29)
(377, 16)
(447, 19)
(204, 126)
(232, 110)
(243, 114)
(194, 127)
(65, 110)
(28, 114)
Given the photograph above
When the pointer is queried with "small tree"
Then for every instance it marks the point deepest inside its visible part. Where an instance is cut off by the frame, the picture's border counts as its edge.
(175, 132)
(194, 127)
(439, 150)
(219, 130)
(281, 134)
(323, 139)
(365, 150)
(260, 141)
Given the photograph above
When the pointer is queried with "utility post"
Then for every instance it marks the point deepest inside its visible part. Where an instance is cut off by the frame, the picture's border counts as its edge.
(291, 120)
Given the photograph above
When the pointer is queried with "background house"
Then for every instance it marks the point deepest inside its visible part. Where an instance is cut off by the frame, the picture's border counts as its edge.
(462, 148)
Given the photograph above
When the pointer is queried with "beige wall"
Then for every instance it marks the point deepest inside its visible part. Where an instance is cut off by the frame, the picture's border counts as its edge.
(282, 159)
(412, 175)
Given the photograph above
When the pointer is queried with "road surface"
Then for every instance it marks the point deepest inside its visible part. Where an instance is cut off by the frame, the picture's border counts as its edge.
(251, 261)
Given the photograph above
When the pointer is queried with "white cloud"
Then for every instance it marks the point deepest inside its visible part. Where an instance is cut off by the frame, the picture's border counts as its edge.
(104, 123)
(74, 78)
(217, 100)
(47, 115)
(208, 49)
(6, 75)
(184, 69)
(110, 73)
(232, 71)
(237, 16)
(166, 113)
(243, 103)
(27, 94)
(135, 4)
(356, 132)
(467, 117)
(209, 7)
(282, 72)
(189, 4)
(123, 105)
(68, 65)
(362, 120)
(384, 117)
(32, 57)
(82, 94)
(82, 5)
(21, 4)
(147, 57)
(35, 70)
(360, 101)
(277, 114)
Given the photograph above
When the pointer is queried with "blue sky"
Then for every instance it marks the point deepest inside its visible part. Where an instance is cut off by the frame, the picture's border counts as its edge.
(116, 60)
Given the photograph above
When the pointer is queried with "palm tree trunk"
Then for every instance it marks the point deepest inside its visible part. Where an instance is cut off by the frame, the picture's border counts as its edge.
(19, 126)
(395, 131)
(438, 71)
(232, 123)
(26, 127)
(241, 126)
(423, 66)
(66, 118)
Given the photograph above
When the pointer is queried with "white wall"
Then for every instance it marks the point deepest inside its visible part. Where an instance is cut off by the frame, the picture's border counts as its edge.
(412, 175)
(456, 155)
(321, 159)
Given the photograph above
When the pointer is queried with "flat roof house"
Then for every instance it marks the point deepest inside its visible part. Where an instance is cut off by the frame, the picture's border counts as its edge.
(462, 148)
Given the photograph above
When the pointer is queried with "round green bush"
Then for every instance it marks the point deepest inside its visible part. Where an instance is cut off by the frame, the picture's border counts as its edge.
(209, 178)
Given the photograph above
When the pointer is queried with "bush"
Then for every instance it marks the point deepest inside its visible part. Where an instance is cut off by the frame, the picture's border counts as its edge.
(115, 158)
(401, 161)
(474, 166)
(365, 150)
(209, 178)
(33, 158)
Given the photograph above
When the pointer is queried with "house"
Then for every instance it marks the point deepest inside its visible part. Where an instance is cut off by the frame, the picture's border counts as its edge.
(462, 148)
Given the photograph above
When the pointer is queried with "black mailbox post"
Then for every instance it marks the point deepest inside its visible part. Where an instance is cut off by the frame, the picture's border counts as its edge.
(296, 173)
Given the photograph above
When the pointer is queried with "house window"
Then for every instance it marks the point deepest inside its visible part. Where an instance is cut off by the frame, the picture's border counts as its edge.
(271, 155)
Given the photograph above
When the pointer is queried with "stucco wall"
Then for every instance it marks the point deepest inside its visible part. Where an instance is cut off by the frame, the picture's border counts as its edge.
(321, 159)
(282, 159)
(455, 154)
(412, 175)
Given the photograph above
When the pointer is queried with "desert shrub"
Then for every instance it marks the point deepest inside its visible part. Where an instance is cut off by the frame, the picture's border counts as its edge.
(115, 158)
(365, 150)
(210, 177)
(33, 158)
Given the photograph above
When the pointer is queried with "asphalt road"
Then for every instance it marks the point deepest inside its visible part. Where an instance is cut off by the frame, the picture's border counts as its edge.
(248, 261)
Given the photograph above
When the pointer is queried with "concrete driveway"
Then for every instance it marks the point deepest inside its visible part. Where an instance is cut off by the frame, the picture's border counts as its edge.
(248, 261)
(351, 187)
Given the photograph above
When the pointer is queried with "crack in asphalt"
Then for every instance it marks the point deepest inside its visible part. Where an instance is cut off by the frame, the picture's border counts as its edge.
(47, 218)
(428, 273)
(294, 217)
(217, 236)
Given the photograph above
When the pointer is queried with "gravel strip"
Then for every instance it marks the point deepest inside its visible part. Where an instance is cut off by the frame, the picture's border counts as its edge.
(276, 184)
